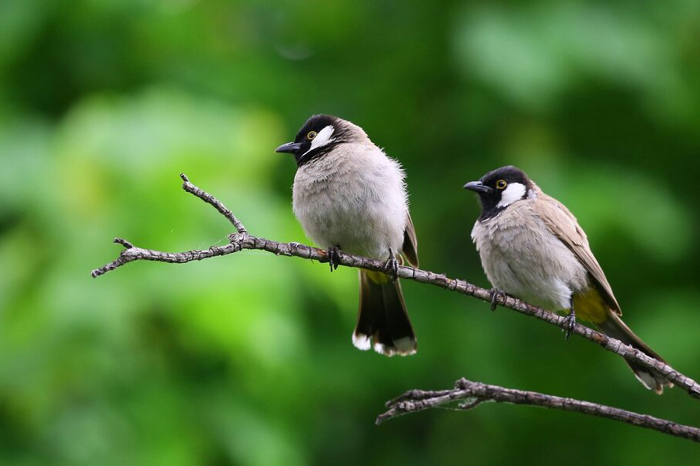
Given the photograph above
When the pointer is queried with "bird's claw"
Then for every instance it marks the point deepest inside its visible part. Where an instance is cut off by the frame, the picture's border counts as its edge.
(333, 257)
(569, 324)
(495, 293)
(391, 266)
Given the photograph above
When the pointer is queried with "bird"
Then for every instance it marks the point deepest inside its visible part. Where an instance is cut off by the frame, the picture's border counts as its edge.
(350, 196)
(532, 248)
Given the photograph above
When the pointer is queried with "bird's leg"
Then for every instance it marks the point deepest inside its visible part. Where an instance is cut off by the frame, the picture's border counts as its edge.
(391, 266)
(570, 320)
(495, 293)
(334, 256)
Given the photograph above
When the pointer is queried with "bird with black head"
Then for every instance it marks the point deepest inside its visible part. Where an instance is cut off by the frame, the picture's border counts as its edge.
(533, 248)
(349, 195)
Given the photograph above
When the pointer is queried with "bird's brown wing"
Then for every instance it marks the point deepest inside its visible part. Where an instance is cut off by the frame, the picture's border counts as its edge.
(410, 243)
(564, 225)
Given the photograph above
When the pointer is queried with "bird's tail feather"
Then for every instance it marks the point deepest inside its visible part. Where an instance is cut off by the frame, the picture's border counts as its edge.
(383, 323)
(616, 328)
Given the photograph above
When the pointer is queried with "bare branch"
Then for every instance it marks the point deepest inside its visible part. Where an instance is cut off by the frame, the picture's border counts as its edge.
(209, 199)
(242, 240)
(476, 393)
(132, 253)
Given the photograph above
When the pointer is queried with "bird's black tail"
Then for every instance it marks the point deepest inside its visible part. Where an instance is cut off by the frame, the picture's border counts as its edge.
(616, 328)
(383, 322)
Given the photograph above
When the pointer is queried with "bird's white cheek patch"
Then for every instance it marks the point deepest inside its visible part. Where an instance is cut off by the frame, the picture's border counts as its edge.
(514, 192)
(322, 138)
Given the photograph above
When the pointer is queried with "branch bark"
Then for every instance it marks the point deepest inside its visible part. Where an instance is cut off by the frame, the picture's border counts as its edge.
(475, 393)
(243, 240)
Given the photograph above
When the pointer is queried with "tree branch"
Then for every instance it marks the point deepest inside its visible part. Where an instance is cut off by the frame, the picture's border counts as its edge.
(476, 393)
(473, 392)
(242, 240)
(211, 200)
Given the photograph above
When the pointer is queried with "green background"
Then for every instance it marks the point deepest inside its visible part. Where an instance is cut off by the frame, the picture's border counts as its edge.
(247, 359)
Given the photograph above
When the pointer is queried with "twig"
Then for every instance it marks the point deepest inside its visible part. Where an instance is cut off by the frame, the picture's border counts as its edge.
(477, 393)
(242, 240)
(209, 199)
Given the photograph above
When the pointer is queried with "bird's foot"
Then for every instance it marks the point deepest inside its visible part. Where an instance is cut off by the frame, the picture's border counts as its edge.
(495, 293)
(569, 324)
(334, 257)
(391, 266)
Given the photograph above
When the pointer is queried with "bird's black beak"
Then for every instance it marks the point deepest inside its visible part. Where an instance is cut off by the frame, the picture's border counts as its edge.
(290, 147)
(478, 187)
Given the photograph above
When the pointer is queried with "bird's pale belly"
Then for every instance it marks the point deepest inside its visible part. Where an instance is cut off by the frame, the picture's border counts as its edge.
(355, 199)
(354, 223)
(533, 267)
(527, 280)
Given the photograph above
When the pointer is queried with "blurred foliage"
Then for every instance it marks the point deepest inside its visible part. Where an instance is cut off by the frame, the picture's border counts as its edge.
(247, 359)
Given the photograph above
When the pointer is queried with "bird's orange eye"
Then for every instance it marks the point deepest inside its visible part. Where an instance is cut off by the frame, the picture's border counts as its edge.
(501, 184)
(310, 135)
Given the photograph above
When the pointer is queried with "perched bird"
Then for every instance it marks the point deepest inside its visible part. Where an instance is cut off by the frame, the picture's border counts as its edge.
(532, 248)
(349, 195)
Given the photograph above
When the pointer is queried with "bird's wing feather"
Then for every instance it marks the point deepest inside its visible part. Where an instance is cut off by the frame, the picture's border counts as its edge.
(564, 225)
(410, 243)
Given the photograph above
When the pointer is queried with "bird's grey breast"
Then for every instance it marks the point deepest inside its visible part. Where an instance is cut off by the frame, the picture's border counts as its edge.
(522, 257)
(353, 197)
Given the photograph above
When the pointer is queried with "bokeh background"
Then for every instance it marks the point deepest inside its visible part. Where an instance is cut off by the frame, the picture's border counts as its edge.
(246, 359)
